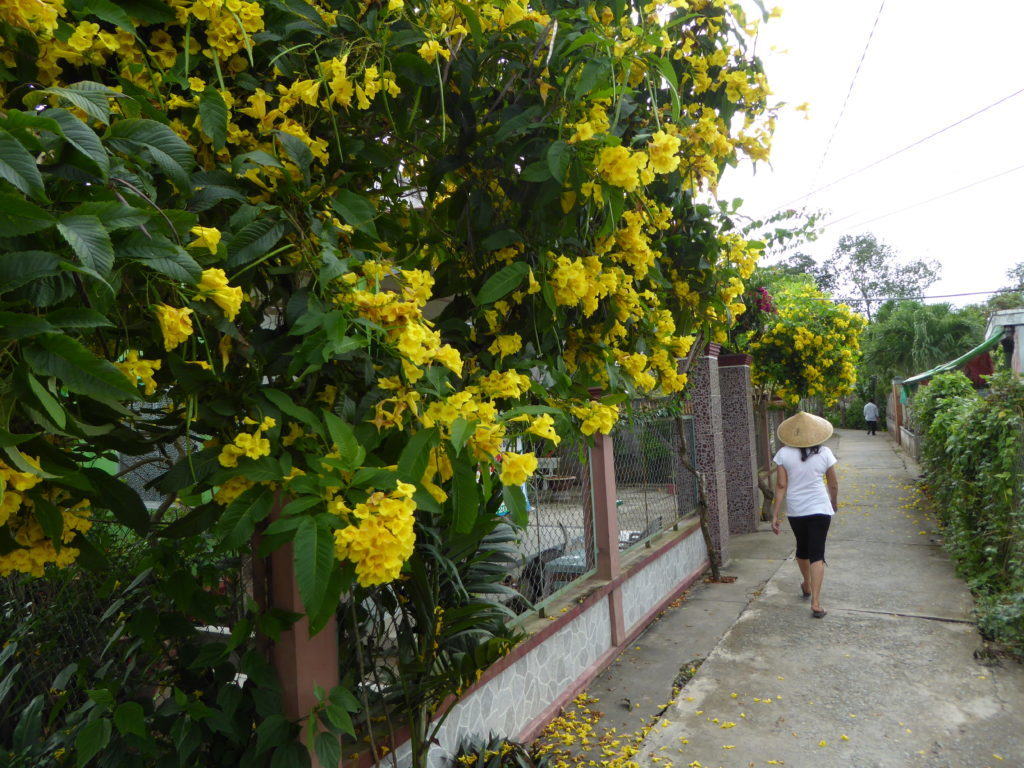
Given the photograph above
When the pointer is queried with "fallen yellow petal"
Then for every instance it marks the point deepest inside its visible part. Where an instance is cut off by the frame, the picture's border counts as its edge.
(822, 743)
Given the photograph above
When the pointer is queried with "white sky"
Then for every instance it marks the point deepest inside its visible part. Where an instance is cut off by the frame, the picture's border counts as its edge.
(930, 63)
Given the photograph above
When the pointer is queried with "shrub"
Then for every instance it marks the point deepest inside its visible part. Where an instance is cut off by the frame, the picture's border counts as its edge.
(974, 466)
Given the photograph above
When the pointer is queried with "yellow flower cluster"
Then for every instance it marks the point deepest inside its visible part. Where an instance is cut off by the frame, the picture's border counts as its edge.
(230, 23)
(252, 445)
(623, 167)
(596, 417)
(214, 286)
(811, 349)
(35, 551)
(380, 535)
(138, 369)
(516, 468)
(175, 325)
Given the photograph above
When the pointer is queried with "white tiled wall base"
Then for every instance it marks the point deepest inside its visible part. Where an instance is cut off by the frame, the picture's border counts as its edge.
(509, 702)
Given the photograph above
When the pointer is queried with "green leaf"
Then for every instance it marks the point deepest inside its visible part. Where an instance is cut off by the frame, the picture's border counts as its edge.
(515, 502)
(120, 498)
(465, 497)
(339, 718)
(130, 718)
(502, 282)
(254, 240)
(328, 749)
(50, 519)
(15, 325)
(114, 215)
(297, 151)
(669, 73)
(20, 217)
(287, 405)
(91, 738)
(161, 255)
(49, 403)
(336, 584)
(238, 523)
(108, 11)
(92, 98)
(536, 172)
(314, 560)
(82, 138)
(342, 435)
(559, 156)
(90, 242)
(55, 354)
(356, 210)
(460, 431)
(19, 167)
(501, 239)
(168, 149)
(149, 11)
(416, 454)
(75, 317)
(8, 440)
(274, 731)
(214, 113)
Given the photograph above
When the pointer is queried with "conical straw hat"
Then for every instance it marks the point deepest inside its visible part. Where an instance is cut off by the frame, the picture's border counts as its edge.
(804, 430)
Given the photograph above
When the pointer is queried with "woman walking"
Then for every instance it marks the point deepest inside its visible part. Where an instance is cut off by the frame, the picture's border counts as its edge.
(802, 463)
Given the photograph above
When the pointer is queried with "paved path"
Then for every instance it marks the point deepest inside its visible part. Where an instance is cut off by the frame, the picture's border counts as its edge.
(887, 680)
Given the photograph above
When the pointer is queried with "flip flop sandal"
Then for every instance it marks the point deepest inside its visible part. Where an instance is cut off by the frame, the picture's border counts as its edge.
(804, 592)
(818, 614)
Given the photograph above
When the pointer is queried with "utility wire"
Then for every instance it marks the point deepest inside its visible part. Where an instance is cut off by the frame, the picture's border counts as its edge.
(900, 151)
(924, 202)
(849, 92)
(874, 299)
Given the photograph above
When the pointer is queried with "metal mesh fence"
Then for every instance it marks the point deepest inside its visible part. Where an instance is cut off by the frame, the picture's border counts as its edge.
(53, 621)
(654, 487)
(68, 615)
(557, 546)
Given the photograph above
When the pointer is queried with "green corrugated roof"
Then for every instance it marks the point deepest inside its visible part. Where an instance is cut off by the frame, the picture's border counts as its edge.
(985, 346)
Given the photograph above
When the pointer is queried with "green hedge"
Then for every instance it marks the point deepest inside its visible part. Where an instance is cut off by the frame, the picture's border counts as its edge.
(973, 456)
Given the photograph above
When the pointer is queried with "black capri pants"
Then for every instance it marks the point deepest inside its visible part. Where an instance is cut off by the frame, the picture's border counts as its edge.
(810, 532)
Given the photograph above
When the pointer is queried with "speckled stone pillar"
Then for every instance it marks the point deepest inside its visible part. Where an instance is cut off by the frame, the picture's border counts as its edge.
(706, 397)
(739, 437)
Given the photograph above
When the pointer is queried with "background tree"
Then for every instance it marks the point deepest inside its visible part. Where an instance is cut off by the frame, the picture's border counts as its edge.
(907, 337)
(863, 269)
(802, 264)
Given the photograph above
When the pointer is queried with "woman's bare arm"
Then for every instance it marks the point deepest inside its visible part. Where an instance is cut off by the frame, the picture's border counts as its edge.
(832, 483)
(781, 483)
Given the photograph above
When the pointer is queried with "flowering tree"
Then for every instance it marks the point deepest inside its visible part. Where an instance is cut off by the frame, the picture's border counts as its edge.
(807, 345)
(328, 259)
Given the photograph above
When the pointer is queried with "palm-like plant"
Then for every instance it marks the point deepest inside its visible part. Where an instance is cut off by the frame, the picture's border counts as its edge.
(907, 337)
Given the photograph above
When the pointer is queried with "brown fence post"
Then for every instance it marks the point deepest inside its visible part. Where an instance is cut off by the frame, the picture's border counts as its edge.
(606, 526)
(302, 662)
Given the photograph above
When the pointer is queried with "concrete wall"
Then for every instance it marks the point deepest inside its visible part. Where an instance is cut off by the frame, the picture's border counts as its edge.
(521, 693)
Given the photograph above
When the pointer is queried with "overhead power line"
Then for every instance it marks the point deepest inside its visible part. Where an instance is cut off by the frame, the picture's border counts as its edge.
(849, 91)
(924, 202)
(875, 299)
(901, 150)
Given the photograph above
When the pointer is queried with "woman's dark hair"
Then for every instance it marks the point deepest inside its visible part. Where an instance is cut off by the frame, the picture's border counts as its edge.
(812, 451)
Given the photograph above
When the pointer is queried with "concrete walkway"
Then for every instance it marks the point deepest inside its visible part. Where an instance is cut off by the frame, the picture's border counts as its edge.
(888, 679)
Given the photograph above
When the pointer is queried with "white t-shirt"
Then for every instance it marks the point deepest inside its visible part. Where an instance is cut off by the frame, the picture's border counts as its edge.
(870, 412)
(806, 493)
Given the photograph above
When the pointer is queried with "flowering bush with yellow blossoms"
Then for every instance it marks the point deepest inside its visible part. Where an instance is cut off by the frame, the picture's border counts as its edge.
(338, 257)
(808, 347)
